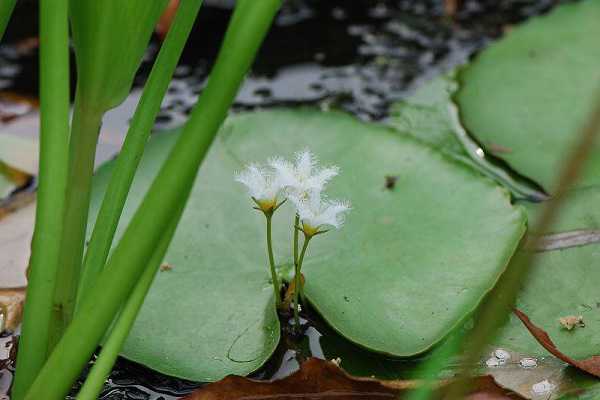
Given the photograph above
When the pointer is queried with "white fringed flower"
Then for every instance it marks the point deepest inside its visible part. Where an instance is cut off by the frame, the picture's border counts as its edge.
(317, 213)
(263, 186)
(303, 176)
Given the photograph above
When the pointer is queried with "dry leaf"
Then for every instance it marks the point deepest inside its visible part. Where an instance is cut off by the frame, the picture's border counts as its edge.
(164, 23)
(289, 293)
(589, 365)
(319, 379)
(11, 308)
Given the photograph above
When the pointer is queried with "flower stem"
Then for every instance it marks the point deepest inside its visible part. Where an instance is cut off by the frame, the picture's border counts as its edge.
(272, 261)
(298, 279)
(296, 224)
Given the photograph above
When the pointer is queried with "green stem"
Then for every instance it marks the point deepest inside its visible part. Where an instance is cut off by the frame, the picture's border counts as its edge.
(296, 233)
(169, 191)
(6, 9)
(274, 279)
(110, 350)
(298, 280)
(135, 141)
(54, 159)
(83, 140)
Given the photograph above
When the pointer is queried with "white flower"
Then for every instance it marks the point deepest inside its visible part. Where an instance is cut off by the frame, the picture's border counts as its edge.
(317, 213)
(302, 177)
(263, 185)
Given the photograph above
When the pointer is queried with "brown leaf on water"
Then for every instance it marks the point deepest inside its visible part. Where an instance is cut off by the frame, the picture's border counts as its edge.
(319, 380)
(590, 365)
(11, 308)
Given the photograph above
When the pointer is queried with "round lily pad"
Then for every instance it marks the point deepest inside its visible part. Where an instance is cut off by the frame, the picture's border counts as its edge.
(563, 283)
(526, 97)
(426, 236)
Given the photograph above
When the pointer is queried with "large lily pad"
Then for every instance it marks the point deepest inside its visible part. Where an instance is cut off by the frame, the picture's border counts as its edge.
(431, 115)
(564, 282)
(527, 96)
(394, 280)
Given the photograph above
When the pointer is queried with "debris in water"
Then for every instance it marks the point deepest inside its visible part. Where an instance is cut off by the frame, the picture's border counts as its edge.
(571, 321)
(493, 362)
(543, 387)
(502, 354)
(165, 267)
(390, 182)
(528, 362)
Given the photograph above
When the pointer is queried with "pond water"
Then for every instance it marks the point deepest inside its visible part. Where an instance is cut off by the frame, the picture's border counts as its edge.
(358, 55)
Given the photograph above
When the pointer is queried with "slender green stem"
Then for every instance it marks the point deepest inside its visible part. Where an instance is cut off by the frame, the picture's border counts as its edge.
(82, 146)
(296, 233)
(54, 158)
(274, 279)
(298, 279)
(170, 189)
(110, 350)
(135, 141)
(6, 9)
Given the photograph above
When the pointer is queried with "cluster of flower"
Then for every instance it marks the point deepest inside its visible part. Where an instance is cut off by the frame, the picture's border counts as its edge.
(302, 182)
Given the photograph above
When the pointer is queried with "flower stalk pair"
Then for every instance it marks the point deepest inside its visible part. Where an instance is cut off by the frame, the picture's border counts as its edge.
(302, 183)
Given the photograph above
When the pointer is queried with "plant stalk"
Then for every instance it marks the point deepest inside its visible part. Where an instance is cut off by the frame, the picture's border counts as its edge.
(274, 279)
(298, 279)
(296, 233)
(84, 137)
(110, 350)
(167, 194)
(54, 159)
(6, 10)
(135, 141)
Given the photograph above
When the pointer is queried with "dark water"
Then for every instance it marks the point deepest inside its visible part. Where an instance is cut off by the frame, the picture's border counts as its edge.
(357, 55)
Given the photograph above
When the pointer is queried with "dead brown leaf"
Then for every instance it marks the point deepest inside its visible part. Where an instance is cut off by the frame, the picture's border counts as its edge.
(589, 365)
(319, 379)
(288, 297)
(11, 308)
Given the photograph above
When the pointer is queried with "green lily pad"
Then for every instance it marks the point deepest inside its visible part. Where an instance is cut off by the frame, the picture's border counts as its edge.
(431, 115)
(527, 97)
(394, 280)
(563, 283)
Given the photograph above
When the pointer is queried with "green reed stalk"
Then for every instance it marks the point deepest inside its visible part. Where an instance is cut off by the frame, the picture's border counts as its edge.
(6, 9)
(169, 191)
(135, 141)
(54, 158)
(94, 382)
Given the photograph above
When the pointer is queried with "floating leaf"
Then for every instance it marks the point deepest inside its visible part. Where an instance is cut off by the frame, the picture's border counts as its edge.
(564, 282)
(407, 262)
(431, 115)
(529, 94)
(590, 365)
(320, 380)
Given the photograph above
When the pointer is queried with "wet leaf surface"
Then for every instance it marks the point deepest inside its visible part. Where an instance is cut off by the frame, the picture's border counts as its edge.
(395, 241)
(531, 91)
(431, 115)
(563, 283)
(320, 379)
(590, 365)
